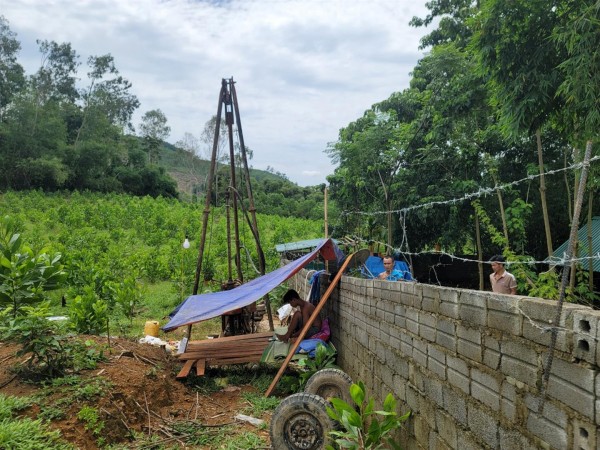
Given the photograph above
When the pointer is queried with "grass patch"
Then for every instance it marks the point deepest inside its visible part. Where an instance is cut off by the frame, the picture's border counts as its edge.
(29, 434)
(258, 403)
(10, 405)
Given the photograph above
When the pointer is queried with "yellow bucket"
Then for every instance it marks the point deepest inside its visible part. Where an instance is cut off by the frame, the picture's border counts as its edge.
(151, 328)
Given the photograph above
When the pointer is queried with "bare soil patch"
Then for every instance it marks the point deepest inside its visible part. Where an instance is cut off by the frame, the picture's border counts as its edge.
(143, 397)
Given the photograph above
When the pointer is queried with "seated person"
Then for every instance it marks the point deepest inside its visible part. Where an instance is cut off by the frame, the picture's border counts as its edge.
(300, 317)
(390, 274)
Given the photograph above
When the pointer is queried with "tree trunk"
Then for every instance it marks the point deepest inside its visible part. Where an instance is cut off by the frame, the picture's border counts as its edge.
(538, 135)
(576, 243)
(568, 188)
(501, 203)
(479, 252)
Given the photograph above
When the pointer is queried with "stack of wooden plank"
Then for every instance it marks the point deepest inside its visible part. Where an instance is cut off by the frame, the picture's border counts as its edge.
(223, 351)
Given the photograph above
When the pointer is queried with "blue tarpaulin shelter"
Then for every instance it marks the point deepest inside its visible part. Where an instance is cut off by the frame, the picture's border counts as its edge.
(197, 308)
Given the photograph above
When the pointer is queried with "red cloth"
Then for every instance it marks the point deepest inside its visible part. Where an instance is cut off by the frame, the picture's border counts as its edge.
(325, 332)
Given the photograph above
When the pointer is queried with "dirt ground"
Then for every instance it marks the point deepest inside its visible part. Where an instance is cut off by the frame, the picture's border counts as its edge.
(145, 397)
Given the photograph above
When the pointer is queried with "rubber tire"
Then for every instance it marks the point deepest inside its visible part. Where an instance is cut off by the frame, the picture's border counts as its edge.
(300, 422)
(328, 383)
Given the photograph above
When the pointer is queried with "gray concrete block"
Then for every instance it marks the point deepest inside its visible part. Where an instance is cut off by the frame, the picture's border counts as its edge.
(458, 374)
(446, 428)
(427, 326)
(412, 320)
(547, 431)
(483, 424)
(508, 399)
(399, 388)
(406, 344)
(449, 310)
(422, 429)
(430, 305)
(420, 352)
(491, 352)
(586, 328)
(436, 361)
(519, 349)
(469, 350)
(400, 315)
(468, 441)
(571, 395)
(427, 411)
(432, 388)
(412, 398)
(455, 404)
(485, 388)
(502, 314)
(437, 443)
(585, 435)
(446, 334)
(549, 412)
(473, 315)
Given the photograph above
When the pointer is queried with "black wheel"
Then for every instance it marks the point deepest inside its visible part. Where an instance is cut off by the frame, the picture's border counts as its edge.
(329, 383)
(300, 422)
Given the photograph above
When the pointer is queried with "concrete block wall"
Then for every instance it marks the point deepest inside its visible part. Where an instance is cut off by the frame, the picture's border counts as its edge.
(469, 364)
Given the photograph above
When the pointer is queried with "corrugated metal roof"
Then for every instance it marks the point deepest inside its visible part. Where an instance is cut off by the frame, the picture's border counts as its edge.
(300, 245)
(583, 245)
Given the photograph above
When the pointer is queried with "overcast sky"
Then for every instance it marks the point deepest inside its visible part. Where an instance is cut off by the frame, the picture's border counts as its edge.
(303, 68)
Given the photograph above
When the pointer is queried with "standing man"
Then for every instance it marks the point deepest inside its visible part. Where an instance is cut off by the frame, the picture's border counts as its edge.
(390, 274)
(502, 281)
(300, 317)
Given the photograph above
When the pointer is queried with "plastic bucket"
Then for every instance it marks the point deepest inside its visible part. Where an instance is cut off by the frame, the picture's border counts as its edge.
(151, 328)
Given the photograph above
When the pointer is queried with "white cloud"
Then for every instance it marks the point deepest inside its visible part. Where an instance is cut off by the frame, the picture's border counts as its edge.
(303, 68)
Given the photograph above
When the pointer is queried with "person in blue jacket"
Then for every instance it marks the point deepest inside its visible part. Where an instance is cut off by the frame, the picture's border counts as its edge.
(390, 274)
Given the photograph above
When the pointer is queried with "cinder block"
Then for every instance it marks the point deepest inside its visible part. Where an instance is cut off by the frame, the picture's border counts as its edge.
(485, 388)
(406, 344)
(491, 352)
(427, 326)
(473, 315)
(446, 427)
(585, 328)
(547, 431)
(436, 361)
(446, 334)
(412, 399)
(427, 410)
(422, 430)
(432, 388)
(400, 316)
(468, 441)
(584, 435)
(420, 352)
(455, 404)
(549, 411)
(484, 424)
(458, 373)
(412, 320)
(502, 314)
(469, 342)
(573, 385)
(508, 398)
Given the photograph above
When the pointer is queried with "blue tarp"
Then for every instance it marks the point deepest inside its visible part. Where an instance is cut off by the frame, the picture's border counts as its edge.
(374, 266)
(197, 308)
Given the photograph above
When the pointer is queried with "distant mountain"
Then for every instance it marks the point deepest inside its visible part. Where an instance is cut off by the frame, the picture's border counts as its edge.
(189, 171)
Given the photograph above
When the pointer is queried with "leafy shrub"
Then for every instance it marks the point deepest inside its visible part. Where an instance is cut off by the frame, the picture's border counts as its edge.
(10, 404)
(51, 354)
(363, 429)
(25, 274)
(29, 434)
(88, 314)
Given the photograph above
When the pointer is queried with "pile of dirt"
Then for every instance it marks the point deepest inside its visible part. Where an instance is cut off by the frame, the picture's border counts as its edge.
(143, 397)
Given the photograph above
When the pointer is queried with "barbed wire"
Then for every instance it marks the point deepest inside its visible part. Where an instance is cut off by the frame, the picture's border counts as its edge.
(554, 260)
(477, 194)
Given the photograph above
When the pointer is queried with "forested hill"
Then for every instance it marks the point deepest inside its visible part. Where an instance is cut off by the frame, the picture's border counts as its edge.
(62, 131)
(273, 192)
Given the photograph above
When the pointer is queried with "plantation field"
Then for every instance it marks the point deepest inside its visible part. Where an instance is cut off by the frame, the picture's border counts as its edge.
(125, 253)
